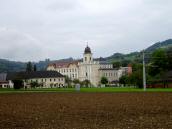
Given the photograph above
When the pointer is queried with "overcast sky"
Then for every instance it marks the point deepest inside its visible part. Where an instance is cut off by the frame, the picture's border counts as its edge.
(55, 29)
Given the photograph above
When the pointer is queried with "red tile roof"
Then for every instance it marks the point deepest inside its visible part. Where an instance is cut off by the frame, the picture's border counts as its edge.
(63, 64)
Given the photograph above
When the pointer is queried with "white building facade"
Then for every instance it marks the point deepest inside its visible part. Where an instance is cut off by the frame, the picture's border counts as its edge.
(43, 79)
(89, 69)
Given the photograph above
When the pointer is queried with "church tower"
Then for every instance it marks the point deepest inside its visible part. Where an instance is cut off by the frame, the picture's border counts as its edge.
(89, 69)
(87, 55)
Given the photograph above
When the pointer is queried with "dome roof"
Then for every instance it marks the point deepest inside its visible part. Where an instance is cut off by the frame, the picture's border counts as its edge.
(87, 50)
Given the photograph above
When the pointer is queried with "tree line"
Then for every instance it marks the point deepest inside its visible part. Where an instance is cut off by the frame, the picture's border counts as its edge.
(30, 67)
(158, 64)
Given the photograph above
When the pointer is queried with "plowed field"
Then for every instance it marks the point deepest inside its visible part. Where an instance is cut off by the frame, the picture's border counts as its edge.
(86, 111)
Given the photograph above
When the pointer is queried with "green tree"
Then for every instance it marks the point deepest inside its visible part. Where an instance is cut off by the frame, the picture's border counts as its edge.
(116, 64)
(29, 67)
(76, 81)
(123, 80)
(104, 80)
(18, 83)
(159, 62)
(68, 81)
(136, 78)
(34, 84)
(86, 83)
(35, 68)
(169, 58)
(124, 63)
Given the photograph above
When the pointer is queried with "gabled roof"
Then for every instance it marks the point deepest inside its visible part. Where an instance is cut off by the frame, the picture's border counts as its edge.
(63, 64)
(32, 75)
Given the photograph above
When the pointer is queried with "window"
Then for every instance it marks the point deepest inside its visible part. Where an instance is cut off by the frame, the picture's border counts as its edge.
(45, 80)
(86, 74)
(54, 79)
(50, 80)
(62, 79)
(90, 58)
(42, 80)
(85, 58)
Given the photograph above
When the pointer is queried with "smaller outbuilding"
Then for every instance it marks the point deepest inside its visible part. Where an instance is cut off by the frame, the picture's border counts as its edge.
(3, 82)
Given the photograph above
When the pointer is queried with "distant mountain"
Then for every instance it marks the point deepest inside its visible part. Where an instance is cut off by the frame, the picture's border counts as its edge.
(11, 66)
(137, 55)
(6, 66)
(120, 57)
(164, 45)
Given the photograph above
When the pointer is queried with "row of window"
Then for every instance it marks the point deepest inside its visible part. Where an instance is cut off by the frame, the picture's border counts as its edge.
(73, 76)
(51, 80)
(106, 66)
(110, 74)
(67, 70)
(57, 85)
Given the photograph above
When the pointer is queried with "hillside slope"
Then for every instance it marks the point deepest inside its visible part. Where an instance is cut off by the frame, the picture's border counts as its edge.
(135, 55)
(6, 65)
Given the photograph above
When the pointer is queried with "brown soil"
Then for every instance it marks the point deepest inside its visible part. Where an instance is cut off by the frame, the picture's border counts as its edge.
(86, 111)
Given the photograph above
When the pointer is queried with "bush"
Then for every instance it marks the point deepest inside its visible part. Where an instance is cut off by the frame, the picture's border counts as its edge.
(104, 80)
(18, 84)
(34, 84)
(86, 83)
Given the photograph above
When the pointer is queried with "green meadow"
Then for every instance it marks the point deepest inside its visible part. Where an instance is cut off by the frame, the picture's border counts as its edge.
(85, 90)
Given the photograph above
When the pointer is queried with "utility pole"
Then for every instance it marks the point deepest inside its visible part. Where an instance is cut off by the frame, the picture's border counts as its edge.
(144, 72)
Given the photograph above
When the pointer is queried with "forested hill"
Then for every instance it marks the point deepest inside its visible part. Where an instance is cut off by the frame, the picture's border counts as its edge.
(132, 56)
(164, 44)
(11, 66)
(6, 66)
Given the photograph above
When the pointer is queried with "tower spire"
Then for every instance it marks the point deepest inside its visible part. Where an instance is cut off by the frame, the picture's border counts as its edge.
(87, 44)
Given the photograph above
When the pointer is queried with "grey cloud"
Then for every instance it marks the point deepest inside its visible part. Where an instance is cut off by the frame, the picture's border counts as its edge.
(60, 29)
(20, 46)
(64, 5)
